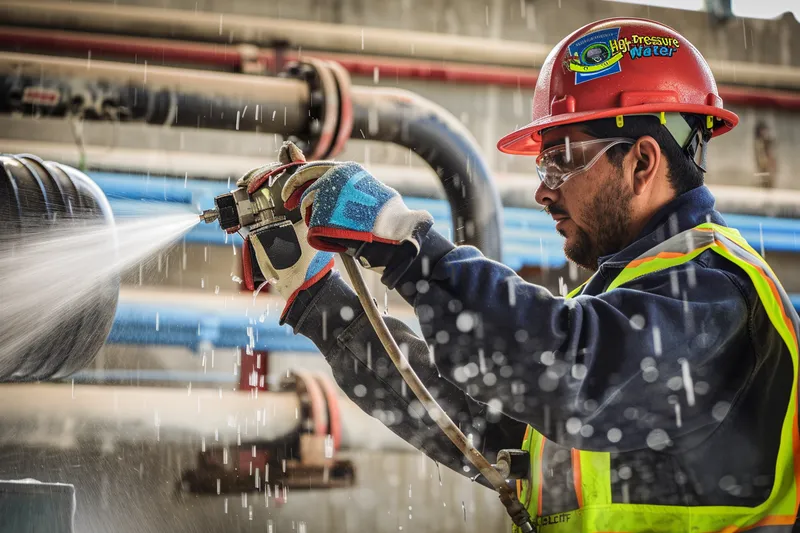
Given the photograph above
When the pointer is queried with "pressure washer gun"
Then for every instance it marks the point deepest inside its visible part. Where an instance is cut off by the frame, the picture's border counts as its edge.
(255, 210)
(256, 207)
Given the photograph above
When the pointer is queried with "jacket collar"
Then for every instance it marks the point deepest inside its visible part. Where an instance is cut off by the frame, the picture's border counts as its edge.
(682, 213)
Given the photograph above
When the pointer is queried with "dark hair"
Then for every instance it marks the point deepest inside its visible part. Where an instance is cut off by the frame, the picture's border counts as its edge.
(683, 174)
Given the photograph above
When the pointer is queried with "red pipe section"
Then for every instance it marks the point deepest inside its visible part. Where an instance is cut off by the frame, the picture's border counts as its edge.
(140, 49)
(231, 56)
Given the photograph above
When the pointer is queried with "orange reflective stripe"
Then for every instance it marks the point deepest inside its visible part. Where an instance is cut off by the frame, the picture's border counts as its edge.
(576, 475)
(661, 255)
(667, 255)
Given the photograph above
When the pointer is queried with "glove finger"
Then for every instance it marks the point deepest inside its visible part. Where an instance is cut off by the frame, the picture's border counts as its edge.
(290, 153)
(307, 204)
(301, 180)
(252, 173)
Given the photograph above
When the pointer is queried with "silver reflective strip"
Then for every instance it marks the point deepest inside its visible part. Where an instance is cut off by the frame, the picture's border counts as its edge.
(682, 243)
(745, 255)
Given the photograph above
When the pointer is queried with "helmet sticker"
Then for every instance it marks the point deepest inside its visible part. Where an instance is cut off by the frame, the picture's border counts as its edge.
(598, 54)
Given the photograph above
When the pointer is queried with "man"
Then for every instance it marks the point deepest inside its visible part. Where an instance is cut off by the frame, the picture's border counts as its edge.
(661, 396)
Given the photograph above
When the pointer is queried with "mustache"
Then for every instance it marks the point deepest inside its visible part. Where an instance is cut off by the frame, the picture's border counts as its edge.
(555, 210)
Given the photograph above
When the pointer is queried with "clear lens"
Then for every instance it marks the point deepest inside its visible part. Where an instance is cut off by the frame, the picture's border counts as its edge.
(559, 163)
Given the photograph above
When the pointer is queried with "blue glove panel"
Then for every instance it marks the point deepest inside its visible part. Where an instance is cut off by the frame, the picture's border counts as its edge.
(348, 198)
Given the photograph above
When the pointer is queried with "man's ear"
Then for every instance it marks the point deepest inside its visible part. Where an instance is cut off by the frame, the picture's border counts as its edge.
(646, 155)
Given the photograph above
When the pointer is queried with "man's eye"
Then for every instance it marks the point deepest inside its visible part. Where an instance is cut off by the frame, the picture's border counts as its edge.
(559, 159)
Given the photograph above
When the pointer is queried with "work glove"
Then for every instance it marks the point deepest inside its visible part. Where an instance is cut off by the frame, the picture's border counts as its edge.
(347, 210)
(280, 252)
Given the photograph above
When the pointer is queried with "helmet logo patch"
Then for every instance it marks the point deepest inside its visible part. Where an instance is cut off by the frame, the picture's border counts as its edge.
(598, 54)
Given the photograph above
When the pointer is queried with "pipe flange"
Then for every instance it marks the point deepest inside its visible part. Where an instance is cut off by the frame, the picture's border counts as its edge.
(323, 106)
(345, 125)
(313, 410)
(330, 391)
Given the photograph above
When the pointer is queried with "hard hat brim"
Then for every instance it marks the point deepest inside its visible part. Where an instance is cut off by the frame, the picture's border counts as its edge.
(528, 141)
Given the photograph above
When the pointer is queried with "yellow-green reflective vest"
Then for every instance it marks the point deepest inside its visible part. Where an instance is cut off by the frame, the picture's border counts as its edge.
(591, 470)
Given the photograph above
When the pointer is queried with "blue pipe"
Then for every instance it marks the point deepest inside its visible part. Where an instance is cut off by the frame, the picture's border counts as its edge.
(528, 235)
(170, 325)
(173, 325)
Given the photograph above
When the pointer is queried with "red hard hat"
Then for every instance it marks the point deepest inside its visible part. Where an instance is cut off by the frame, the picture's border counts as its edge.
(619, 66)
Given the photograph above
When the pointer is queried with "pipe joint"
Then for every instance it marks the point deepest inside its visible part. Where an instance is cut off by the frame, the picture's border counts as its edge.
(330, 107)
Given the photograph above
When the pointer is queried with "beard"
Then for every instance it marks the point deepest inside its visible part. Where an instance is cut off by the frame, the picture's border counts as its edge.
(607, 218)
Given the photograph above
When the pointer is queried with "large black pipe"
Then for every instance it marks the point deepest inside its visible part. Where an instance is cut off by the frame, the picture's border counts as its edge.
(176, 97)
(404, 118)
(36, 196)
(102, 100)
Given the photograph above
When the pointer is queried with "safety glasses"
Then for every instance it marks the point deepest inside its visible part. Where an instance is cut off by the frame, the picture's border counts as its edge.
(559, 163)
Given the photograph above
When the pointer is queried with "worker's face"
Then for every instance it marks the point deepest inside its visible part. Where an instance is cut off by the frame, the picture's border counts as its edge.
(592, 208)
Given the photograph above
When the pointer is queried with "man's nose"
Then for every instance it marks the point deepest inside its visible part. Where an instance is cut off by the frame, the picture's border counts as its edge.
(545, 195)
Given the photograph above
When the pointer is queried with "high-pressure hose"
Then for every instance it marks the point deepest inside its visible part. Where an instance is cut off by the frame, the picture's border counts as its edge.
(519, 515)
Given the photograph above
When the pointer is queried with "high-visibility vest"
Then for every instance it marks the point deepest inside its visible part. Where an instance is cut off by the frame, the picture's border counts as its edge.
(591, 470)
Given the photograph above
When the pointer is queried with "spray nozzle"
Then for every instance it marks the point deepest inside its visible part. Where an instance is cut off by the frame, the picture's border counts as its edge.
(209, 215)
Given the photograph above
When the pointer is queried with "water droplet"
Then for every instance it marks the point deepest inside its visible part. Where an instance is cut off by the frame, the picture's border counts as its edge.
(675, 383)
(650, 374)
(701, 388)
(579, 371)
(720, 410)
(727, 483)
(687, 381)
(346, 313)
(658, 439)
(574, 426)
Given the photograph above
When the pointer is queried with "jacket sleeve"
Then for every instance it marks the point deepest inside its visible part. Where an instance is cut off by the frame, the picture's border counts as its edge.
(658, 359)
(332, 317)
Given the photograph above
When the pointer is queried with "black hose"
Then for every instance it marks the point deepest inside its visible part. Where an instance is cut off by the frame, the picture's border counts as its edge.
(404, 118)
(100, 100)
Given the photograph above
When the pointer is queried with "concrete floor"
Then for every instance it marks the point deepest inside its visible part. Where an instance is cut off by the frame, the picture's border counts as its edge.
(131, 489)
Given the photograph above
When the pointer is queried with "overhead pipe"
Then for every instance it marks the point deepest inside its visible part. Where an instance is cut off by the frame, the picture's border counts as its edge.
(236, 57)
(265, 32)
(170, 96)
(59, 87)
(229, 28)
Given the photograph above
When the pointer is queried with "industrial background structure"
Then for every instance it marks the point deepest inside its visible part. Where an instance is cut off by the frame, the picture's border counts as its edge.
(181, 421)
